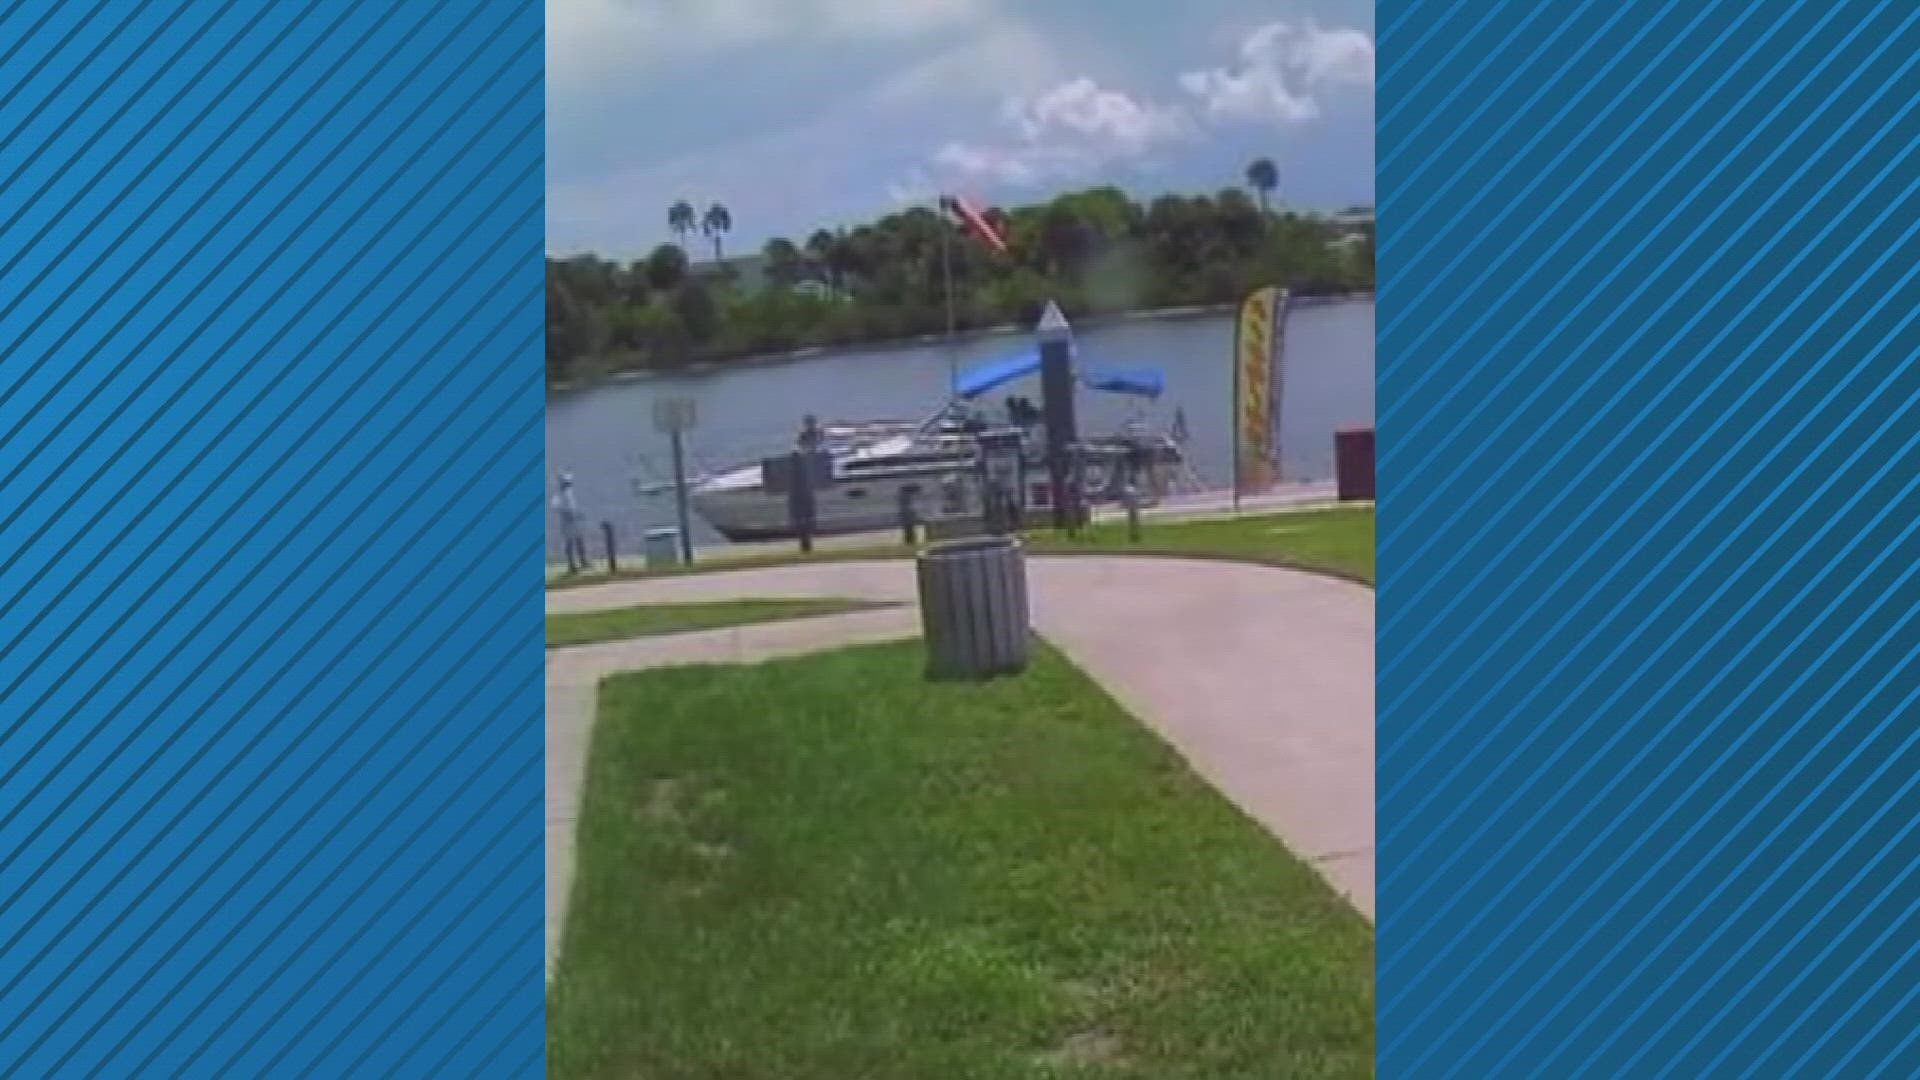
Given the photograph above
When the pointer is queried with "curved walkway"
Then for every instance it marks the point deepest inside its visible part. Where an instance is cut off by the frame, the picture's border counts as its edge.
(1261, 678)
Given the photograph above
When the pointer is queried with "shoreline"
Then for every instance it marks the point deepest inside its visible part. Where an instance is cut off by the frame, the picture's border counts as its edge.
(762, 360)
(1208, 504)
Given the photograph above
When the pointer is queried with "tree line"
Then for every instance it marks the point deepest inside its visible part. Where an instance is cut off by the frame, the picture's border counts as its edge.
(1094, 251)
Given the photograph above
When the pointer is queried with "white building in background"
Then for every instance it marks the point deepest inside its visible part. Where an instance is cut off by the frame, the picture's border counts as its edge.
(1354, 224)
(815, 289)
(1354, 217)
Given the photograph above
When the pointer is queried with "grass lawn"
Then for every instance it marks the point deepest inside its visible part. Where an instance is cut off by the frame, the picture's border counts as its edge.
(645, 619)
(1336, 541)
(828, 868)
(712, 564)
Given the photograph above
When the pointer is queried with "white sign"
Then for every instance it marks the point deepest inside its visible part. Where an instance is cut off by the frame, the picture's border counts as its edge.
(673, 415)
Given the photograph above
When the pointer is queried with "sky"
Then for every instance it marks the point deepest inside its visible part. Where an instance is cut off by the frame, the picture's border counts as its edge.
(802, 114)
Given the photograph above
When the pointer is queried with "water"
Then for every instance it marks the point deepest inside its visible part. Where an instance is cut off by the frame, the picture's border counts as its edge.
(605, 435)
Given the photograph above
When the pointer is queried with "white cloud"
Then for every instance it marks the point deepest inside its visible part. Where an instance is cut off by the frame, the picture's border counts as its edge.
(1282, 68)
(1105, 117)
(1077, 127)
(1070, 130)
(821, 146)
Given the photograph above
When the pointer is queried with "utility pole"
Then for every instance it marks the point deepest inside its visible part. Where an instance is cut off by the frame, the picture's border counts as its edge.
(675, 416)
(946, 274)
(680, 499)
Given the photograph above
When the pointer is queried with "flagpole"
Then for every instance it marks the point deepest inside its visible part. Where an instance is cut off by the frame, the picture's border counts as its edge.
(946, 268)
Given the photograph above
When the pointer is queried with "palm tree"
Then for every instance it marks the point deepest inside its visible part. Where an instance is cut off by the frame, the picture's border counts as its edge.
(1263, 177)
(680, 220)
(716, 222)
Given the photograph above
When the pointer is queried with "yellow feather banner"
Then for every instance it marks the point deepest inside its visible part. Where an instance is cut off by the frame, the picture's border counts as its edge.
(1256, 389)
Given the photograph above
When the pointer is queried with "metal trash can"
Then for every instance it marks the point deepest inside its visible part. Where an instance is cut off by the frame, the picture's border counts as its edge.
(973, 607)
(662, 547)
(1353, 463)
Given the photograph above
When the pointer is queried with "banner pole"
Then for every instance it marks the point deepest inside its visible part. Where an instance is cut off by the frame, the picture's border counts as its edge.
(1233, 420)
(1276, 376)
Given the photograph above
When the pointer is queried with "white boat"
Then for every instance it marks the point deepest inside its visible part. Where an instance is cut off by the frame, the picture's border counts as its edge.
(936, 461)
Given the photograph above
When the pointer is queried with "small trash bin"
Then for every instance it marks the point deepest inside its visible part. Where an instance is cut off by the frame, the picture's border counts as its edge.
(1353, 463)
(662, 547)
(973, 607)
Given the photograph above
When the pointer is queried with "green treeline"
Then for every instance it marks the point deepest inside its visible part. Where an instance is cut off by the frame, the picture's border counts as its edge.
(1094, 251)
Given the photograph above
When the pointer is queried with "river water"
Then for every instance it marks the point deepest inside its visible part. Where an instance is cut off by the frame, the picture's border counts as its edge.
(605, 435)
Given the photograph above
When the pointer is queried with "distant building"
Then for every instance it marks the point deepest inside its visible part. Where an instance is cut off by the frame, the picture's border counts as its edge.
(1355, 217)
(744, 273)
(1353, 224)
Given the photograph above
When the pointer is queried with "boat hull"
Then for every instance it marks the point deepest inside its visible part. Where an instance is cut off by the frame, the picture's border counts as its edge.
(939, 471)
(744, 514)
(872, 504)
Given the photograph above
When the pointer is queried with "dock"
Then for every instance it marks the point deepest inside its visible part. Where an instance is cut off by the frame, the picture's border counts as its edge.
(1191, 506)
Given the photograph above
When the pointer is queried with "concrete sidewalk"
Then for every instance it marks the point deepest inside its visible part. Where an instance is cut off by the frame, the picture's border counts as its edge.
(1262, 679)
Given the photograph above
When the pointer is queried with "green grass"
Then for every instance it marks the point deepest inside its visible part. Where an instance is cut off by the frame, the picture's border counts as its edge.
(712, 564)
(1335, 541)
(829, 868)
(642, 620)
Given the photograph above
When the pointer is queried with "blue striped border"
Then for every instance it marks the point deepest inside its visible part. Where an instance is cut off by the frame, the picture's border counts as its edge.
(270, 487)
(1647, 732)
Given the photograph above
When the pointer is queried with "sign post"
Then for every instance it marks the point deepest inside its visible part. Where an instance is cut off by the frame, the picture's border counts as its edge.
(675, 417)
(1056, 404)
